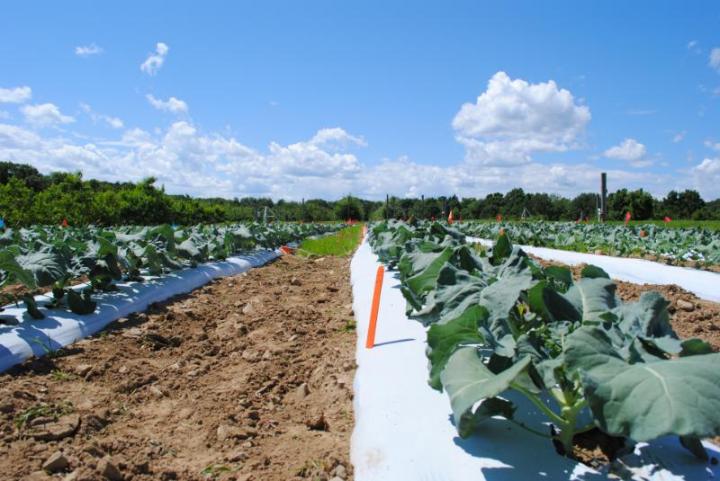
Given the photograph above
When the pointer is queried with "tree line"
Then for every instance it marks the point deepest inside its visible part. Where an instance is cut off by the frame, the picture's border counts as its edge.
(28, 197)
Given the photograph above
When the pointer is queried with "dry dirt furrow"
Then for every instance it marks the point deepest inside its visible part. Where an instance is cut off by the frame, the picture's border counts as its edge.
(247, 378)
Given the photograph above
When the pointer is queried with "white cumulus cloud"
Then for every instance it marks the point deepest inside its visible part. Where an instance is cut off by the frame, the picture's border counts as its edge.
(513, 119)
(708, 167)
(155, 60)
(706, 177)
(187, 160)
(630, 150)
(45, 115)
(679, 137)
(323, 155)
(17, 95)
(712, 145)
(336, 136)
(173, 105)
(88, 50)
(113, 122)
(714, 60)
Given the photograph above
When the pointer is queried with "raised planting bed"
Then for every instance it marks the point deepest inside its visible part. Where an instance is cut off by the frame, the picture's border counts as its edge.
(704, 284)
(548, 376)
(695, 247)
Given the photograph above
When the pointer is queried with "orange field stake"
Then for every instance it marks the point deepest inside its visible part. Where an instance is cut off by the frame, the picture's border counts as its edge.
(375, 307)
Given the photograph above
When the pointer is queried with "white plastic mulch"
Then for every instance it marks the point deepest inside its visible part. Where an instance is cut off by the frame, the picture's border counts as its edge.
(404, 431)
(704, 284)
(61, 327)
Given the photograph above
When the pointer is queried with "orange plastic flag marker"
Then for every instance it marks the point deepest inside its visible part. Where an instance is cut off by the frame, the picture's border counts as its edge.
(450, 217)
(628, 216)
(498, 217)
(375, 307)
(64, 223)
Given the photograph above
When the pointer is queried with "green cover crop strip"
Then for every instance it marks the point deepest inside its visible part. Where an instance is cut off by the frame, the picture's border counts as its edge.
(498, 322)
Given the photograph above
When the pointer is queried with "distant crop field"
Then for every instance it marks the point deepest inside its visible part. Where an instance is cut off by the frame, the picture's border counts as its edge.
(697, 244)
(675, 224)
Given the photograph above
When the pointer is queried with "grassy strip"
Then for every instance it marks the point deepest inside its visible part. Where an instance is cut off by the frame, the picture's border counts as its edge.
(342, 243)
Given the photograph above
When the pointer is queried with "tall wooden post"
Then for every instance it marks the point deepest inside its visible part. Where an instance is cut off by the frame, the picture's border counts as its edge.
(603, 197)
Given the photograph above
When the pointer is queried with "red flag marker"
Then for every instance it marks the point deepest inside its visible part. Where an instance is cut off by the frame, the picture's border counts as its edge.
(498, 217)
(628, 216)
(450, 217)
(64, 223)
(667, 220)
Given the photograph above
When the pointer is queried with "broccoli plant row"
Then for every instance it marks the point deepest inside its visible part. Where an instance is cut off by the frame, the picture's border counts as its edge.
(50, 257)
(498, 322)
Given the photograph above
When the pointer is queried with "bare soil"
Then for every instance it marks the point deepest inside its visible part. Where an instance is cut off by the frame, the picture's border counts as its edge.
(247, 378)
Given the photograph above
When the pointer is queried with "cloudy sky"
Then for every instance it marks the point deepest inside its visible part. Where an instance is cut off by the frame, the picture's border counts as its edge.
(323, 98)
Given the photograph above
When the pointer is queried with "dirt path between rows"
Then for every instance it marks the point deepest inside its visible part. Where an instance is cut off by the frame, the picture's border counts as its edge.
(247, 378)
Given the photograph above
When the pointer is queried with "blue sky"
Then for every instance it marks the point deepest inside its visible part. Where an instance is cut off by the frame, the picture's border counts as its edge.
(319, 99)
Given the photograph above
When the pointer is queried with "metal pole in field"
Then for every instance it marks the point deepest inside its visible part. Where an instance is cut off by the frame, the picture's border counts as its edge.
(387, 206)
(603, 197)
(422, 206)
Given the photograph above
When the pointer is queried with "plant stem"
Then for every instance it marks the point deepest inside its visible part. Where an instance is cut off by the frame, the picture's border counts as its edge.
(567, 428)
(541, 405)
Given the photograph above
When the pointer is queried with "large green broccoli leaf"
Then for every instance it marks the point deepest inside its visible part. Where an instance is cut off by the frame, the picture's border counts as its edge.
(443, 339)
(645, 400)
(468, 380)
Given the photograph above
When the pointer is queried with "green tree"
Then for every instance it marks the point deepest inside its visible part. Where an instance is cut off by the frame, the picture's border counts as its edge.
(682, 205)
(584, 205)
(514, 203)
(491, 206)
(349, 208)
(29, 175)
(16, 203)
(638, 202)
